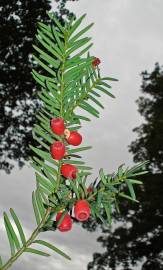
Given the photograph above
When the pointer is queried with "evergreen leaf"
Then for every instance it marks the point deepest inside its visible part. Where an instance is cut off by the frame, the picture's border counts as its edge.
(49, 176)
(101, 217)
(46, 29)
(53, 18)
(76, 25)
(36, 251)
(44, 195)
(70, 161)
(138, 173)
(43, 154)
(35, 208)
(52, 109)
(104, 91)
(83, 31)
(48, 100)
(36, 77)
(107, 208)
(70, 151)
(87, 107)
(130, 187)
(85, 50)
(102, 176)
(109, 79)
(11, 241)
(104, 84)
(82, 118)
(46, 57)
(96, 101)
(45, 183)
(39, 203)
(137, 168)
(133, 181)
(75, 189)
(84, 167)
(12, 232)
(53, 89)
(58, 41)
(95, 94)
(78, 44)
(85, 173)
(50, 46)
(19, 226)
(50, 169)
(52, 247)
(35, 166)
(49, 70)
(40, 142)
(42, 133)
(122, 194)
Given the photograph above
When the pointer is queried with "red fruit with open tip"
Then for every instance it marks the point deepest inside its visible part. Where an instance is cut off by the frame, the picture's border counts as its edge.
(57, 150)
(82, 210)
(73, 137)
(96, 62)
(69, 171)
(57, 125)
(66, 223)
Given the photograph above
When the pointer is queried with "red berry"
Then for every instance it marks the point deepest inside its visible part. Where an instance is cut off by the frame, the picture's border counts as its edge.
(66, 223)
(57, 150)
(73, 138)
(96, 62)
(90, 189)
(69, 171)
(82, 210)
(57, 125)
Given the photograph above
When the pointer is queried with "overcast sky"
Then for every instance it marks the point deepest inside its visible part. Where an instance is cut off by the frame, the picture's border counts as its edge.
(128, 39)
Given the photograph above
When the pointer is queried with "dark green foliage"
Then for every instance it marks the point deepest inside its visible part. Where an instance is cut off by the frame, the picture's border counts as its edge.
(150, 133)
(18, 23)
(139, 236)
(63, 13)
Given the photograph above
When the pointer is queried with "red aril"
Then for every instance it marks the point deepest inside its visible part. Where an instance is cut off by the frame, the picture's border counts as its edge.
(69, 171)
(73, 137)
(57, 150)
(66, 223)
(57, 125)
(82, 210)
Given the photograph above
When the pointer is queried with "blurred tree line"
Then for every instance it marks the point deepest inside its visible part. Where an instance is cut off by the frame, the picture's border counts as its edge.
(137, 236)
(18, 24)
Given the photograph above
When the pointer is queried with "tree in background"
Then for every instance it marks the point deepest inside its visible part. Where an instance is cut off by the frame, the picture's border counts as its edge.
(18, 21)
(138, 234)
(149, 144)
(63, 13)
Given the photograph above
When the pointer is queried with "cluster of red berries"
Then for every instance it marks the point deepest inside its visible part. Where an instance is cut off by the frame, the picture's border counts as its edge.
(81, 212)
(58, 151)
